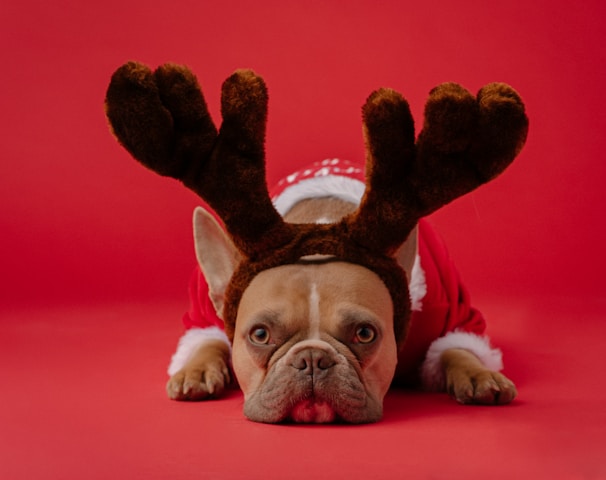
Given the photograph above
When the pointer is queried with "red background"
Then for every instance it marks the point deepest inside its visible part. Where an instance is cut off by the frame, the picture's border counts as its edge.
(96, 252)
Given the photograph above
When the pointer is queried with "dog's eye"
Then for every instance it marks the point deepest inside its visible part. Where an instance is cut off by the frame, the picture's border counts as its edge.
(365, 334)
(259, 335)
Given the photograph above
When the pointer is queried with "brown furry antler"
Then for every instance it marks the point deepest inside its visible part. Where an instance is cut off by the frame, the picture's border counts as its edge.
(465, 142)
(162, 119)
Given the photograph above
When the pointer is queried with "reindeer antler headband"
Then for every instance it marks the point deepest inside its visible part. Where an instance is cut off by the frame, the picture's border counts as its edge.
(161, 118)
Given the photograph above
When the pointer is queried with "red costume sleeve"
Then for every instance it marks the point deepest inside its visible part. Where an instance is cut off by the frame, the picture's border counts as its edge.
(446, 306)
(201, 312)
(444, 286)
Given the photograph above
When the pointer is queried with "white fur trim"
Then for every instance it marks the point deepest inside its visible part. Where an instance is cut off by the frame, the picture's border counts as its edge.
(345, 188)
(193, 339)
(350, 190)
(417, 287)
(432, 373)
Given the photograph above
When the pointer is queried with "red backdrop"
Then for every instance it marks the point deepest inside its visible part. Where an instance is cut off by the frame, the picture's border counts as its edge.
(81, 220)
(83, 224)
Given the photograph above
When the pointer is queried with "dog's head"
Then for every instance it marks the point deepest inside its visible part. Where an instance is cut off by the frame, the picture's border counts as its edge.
(313, 341)
(162, 119)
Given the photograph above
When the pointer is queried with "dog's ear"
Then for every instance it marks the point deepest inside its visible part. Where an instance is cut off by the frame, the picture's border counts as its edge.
(216, 254)
(406, 254)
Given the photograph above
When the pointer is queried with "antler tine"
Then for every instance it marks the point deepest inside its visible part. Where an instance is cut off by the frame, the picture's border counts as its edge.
(383, 221)
(160, 117)
(466, 141)
(233, 180)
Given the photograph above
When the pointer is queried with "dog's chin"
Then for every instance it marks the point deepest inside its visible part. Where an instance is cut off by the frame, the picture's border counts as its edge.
(312, 411)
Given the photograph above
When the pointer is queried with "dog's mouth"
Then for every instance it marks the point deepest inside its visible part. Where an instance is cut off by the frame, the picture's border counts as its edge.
(312, 410)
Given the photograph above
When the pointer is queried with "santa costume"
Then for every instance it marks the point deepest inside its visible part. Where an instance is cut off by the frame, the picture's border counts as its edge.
(442, 315)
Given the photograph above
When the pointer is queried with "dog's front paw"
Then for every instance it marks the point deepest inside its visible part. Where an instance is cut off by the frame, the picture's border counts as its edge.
(199, 381)
(483, 387)
(469, 381)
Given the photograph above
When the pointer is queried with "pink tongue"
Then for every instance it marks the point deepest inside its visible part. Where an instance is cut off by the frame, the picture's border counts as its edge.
(310, 411)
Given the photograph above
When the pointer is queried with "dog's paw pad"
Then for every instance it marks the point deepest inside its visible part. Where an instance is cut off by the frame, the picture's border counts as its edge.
(197, 384)
(482, 388)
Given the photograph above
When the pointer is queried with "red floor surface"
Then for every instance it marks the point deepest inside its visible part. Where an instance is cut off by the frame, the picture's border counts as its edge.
(95, 252)
(83, 398)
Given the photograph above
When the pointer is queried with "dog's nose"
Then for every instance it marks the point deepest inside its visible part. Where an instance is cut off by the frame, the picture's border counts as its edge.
(312, 361)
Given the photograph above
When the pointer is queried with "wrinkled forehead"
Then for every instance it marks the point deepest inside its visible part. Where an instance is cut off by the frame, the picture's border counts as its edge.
(351, 273)
(334, 284)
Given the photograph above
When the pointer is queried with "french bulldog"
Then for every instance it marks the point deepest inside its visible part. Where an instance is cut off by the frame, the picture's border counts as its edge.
(306, 294)
(314, 341)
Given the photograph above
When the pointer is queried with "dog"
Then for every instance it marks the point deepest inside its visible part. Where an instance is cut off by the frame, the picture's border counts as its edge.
(313, 340)
(307, 298)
